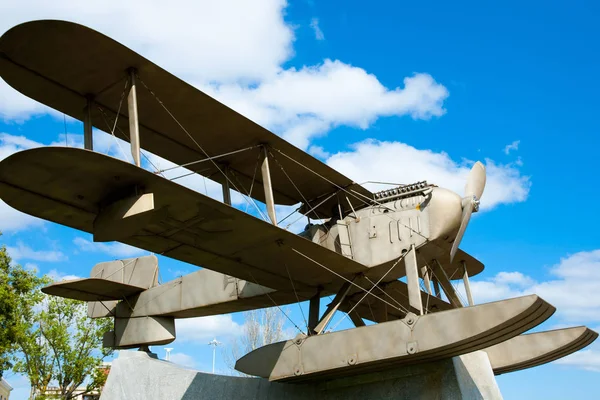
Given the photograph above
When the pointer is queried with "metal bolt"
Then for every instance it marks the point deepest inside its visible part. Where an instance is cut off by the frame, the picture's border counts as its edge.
(352, 360)
(297, 370)
(411, 348)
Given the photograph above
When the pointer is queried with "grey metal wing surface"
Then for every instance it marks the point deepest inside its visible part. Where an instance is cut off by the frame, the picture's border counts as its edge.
(64, 65)
(71, 186)
(92, 289)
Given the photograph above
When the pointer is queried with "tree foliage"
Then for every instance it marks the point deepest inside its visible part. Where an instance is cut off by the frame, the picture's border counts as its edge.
(50, 340)
(18, 295)
(62, 344)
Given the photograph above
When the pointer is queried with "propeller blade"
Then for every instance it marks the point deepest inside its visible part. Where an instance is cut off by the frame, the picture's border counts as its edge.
(466, 216)
(475, 181)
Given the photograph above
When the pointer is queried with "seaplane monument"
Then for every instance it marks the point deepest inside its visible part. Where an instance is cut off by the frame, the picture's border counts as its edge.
(389, 258)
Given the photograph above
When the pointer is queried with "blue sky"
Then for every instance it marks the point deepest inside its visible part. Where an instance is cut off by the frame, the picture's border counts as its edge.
(387, 90)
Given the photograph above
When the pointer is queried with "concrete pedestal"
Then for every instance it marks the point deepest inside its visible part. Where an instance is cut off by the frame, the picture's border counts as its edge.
(137, 375)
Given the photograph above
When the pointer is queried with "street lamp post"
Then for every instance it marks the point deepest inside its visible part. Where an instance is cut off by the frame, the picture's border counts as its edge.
(168, 355)
(214, 343)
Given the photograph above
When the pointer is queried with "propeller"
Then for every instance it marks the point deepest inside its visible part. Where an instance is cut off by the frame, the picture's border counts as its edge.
(470, 203)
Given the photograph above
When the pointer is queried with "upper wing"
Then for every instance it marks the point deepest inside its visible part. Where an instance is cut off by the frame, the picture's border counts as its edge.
(61, 63)
(70, 186)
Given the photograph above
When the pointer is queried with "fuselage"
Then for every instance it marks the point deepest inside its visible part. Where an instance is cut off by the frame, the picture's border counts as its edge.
(377, 235)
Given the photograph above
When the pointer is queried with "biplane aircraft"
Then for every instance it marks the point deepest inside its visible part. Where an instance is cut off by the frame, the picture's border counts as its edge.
(356, 247)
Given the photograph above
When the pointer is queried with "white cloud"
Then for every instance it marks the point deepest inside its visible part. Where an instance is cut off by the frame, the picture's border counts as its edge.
(238, 52)
(31, 267)
(513, 278)
(314, 24)
(513, 146)
(573, 289)
(24, 252)
(16, 107)
(225, 40)
(57, 276)
(206, 328)
(372, 160)
(318, 152)
(585, 359)
(205, 41)
(304, 103)
(117, 250)
(12, 221)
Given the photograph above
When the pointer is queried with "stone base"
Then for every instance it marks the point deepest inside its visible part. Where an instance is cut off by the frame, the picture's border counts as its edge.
(138, 375)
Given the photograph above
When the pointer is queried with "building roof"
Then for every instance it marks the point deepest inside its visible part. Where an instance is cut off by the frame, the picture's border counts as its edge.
(5, 384)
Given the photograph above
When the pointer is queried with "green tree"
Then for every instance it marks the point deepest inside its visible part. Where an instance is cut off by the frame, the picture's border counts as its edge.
(63, 345)
(18, 296)
(76, 343)
(34, 358)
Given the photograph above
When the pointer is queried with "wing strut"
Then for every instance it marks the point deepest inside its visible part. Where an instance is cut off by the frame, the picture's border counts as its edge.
(467, 285)
(87, 125)
(134, 126)
(412, 280)
(447, 287)
(313, 312)
(266, 178)
(333, 306)
(225, 185)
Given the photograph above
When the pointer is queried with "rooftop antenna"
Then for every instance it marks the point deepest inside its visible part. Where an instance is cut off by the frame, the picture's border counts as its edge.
(214, 343)
(168, 355)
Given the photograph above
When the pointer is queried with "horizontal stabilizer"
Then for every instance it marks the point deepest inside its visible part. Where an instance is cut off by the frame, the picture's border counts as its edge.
(535, 349)
(92, 289)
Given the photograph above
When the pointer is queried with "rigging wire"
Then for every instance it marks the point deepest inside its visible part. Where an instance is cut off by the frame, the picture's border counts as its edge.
(309, 211)
(253, 177)
(276, 305)
(191, 137)
(458, 295)
(263, 216)
(208, 159)
(455, 285)
(390, 296)
(112, 131)
(290, 214)
(351, 192)
(345, 279)
(291, 181)
(105, 117)
(297, 298)
(370, 290)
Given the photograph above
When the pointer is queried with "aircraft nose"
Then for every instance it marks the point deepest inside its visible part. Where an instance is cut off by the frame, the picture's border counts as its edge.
(445, 210)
